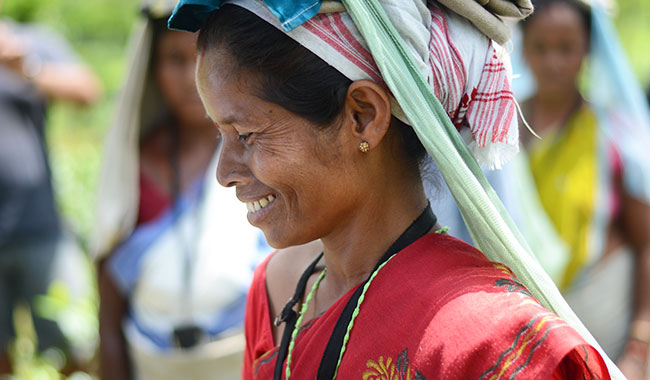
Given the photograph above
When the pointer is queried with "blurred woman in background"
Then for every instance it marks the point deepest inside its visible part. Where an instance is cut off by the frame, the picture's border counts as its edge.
(591, 184)
(172, 283)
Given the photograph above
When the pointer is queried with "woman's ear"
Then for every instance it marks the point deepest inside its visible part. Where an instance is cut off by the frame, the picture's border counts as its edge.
(367, 112)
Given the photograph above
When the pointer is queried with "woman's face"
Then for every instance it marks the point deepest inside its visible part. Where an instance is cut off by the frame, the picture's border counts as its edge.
(555, 44)
(175, 62)
(299, 183)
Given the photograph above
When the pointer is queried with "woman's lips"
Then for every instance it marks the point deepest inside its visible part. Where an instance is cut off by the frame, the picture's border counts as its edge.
(257, 205)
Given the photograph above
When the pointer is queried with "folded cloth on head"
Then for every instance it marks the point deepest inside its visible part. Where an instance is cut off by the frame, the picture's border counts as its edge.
(484, 14)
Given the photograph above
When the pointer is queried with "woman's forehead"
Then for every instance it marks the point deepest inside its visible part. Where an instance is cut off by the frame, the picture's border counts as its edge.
(557, 12)
(217, 63)
(225, 93)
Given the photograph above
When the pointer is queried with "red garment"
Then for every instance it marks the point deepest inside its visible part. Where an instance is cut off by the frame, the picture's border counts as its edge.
(152, 200)
(438, 310)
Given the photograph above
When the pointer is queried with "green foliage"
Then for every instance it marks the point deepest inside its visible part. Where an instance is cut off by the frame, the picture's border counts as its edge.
(77, 20)
(75, 143)
(633, 24)
(27, 362)
(98, 31)
(22, 11)
(76, 316)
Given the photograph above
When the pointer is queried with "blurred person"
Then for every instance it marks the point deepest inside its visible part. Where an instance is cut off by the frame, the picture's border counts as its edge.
(591, 173)
(36, 67)
(175, 251)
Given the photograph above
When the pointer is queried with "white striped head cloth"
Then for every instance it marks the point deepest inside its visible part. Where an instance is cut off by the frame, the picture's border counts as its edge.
(470, 74)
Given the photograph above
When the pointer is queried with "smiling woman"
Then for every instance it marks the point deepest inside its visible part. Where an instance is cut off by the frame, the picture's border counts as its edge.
(289, 158)
(289, 114)
(308, 125)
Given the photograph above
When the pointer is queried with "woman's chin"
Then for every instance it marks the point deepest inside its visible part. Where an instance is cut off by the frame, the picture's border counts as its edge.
(276, 239)
(280, 237)
(277, 244)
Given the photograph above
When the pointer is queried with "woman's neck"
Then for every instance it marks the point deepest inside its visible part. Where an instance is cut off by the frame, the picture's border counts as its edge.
(551, 112)
(352, 252)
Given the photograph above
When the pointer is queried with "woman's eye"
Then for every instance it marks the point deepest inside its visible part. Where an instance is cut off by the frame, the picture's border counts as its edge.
(245, 138)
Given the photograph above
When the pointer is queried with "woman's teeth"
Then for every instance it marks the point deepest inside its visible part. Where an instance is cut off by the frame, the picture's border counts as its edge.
(260, 203)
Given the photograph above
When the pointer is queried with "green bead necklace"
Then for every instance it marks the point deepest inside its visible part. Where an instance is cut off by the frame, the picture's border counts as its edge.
(304, 307)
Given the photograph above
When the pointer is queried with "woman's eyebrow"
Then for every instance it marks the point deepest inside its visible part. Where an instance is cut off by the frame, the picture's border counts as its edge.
(228, 120)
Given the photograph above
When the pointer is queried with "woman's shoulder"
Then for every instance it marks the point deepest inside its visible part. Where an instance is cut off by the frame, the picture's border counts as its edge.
(478, 310)
(289, 263)
(506, 331)
(441, 253)
(284, 269)
(447, 269)
(273, 283)
(472, 316)
(275, 278)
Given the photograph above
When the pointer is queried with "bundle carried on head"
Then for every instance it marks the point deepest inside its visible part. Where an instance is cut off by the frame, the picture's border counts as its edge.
(485, 15)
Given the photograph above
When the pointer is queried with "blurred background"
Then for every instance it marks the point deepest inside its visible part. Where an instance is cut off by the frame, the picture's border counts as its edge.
(98, 31)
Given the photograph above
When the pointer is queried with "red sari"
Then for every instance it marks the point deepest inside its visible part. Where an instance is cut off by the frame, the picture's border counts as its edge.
(438, 310)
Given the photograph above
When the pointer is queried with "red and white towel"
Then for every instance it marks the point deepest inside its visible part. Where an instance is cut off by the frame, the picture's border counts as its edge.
(470, 74)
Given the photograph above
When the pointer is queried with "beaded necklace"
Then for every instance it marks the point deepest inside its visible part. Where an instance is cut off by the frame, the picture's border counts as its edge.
(294, 333)
(303, 310)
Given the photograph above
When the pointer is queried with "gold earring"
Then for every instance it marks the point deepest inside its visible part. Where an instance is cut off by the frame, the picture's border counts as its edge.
(364, 147)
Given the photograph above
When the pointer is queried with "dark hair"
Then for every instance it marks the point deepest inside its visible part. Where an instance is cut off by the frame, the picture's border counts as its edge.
(583, 11)
(291, 76)
(159, 26)
(158, 29)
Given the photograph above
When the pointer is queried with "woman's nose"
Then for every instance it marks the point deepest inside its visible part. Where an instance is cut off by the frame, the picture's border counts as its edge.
(232, 169)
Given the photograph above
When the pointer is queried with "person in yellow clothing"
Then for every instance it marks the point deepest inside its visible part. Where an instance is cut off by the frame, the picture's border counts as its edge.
(565, 164)
(589, 183)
